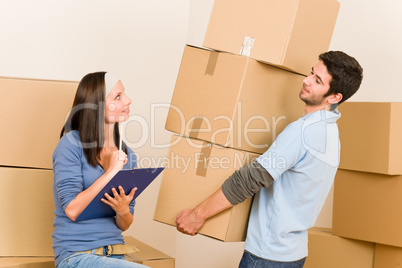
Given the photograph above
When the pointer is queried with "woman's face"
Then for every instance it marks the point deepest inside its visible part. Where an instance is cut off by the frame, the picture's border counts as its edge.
(117, 105)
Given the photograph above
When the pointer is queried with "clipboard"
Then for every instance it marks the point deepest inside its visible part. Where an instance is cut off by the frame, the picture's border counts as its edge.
(128, 179)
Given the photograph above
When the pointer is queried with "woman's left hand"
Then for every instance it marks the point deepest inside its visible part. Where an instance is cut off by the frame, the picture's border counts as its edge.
(120, 201)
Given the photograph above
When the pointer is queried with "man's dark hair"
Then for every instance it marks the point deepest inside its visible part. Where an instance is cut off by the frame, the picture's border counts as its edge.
(346, 72)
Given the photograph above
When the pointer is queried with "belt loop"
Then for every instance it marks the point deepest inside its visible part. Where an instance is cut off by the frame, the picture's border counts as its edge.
(109, 251)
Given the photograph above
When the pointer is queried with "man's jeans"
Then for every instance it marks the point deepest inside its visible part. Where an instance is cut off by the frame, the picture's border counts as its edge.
(251, 261)
(86, 260)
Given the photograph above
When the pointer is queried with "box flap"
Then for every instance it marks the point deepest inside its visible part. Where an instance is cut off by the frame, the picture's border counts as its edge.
(146, 252)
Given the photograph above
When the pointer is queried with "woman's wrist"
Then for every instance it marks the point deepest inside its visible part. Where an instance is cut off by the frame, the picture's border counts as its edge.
(111, 173)
(124, 213)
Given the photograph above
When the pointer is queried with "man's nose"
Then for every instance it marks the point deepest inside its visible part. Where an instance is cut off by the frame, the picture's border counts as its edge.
(306, 80)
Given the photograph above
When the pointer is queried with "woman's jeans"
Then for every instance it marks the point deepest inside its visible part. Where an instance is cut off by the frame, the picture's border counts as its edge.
(86, 260)
(250, 261)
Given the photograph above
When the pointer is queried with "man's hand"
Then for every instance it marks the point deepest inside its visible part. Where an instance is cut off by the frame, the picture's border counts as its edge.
(188, 221)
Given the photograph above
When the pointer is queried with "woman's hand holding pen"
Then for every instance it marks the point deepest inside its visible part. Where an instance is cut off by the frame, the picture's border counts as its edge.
(117, 160)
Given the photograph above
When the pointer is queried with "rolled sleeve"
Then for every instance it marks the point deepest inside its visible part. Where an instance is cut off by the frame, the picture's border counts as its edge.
(245, 182)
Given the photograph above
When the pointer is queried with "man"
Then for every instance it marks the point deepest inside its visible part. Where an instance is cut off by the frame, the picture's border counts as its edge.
(288, 196)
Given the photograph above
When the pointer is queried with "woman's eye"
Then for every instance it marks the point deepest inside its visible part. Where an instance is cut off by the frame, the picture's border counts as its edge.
(118, 97)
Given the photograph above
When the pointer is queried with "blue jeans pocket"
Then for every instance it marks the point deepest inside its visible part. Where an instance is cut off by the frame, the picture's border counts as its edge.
(248, 260)
(71, 261)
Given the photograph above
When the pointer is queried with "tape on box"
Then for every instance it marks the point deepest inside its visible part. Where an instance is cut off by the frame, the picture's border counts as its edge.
(203, 159)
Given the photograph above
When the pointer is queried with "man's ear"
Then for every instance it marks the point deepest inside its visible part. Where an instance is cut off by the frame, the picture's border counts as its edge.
(335, 98)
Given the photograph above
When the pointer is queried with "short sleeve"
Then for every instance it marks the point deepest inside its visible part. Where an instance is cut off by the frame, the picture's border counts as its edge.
(285, 152)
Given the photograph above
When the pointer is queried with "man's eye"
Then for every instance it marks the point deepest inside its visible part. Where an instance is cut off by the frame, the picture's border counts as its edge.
(318, 81)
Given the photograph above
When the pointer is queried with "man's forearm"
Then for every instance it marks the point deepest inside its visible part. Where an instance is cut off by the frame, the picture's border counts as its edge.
(214, 204)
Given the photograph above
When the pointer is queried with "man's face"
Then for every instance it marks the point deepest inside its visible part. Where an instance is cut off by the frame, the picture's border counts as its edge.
(316, 85)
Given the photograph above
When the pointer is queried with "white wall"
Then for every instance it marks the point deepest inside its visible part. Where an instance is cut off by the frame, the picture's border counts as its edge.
(142, 42)
(371, 31)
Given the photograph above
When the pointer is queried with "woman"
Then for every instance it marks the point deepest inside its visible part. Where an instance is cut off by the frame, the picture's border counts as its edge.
(85, 160)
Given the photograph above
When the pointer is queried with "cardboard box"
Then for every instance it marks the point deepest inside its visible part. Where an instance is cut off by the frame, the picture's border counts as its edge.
(371, 143)
(233, 100)
(387, 256)
(148, 255)
(29, 262)
(32, 116)
(367, 206)
(26, 222)
(330, 251)
(289, 33)
(195, 170)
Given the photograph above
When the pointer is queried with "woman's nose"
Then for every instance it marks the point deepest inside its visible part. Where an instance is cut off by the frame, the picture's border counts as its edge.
(127, 100)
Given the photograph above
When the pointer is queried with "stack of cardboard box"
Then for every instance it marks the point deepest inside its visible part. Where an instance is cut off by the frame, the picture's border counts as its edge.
(331, 251)
(367, 191)
(235, 96)
(32, 113)
(368, 185)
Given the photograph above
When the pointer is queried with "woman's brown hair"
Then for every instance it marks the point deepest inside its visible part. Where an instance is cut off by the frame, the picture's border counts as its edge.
(87, 116)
